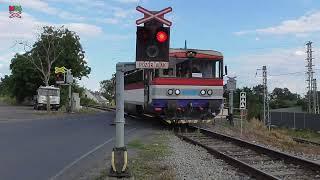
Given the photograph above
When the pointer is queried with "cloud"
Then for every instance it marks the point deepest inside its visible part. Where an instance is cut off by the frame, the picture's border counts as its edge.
(111, 21)
(116, 37)
(37, 5)
(26, 29)
(12, 30)
(300, 53)
(44, 7)
(301, 26)
(127, 1)
(86, 30)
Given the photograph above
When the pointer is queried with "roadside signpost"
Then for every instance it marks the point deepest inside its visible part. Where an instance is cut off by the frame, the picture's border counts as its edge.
(60, 74)
(152, 52)
(243, 100)
(243, 105)
(64, 77)
(231, 86)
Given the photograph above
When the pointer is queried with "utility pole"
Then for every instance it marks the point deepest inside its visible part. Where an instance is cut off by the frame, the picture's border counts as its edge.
(309, 76)
(69, 81)
(266, 118)
(231, 87)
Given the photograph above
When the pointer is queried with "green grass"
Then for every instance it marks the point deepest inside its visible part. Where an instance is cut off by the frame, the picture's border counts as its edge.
(304, 134)
(8, 100)
(136, 144)
(146, 164)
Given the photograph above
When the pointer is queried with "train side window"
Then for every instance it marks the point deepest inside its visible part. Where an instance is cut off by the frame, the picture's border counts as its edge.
(133, 77)
(168, 72)
(215, 69)
(156, 73)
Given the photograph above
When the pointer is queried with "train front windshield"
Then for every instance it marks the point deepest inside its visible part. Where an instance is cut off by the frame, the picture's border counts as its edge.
(193, 68)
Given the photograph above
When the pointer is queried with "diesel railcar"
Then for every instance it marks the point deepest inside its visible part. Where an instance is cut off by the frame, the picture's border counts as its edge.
(191, 89)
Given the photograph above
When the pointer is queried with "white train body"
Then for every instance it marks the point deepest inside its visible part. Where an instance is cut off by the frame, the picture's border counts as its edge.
(191, 88)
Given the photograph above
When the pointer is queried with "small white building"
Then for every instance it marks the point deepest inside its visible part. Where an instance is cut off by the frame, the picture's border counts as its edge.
(96, 97)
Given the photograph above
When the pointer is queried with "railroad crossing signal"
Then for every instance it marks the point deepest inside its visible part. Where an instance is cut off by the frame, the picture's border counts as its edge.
(243, 100)
(149, 15)
(231, 84)
(152, 44)
(60, 75)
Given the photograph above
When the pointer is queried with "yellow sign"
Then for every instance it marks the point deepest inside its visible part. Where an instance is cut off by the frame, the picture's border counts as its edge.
(59, 70)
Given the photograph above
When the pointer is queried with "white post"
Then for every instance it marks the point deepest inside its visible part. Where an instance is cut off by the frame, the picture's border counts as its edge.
(119, 159)
(241, 114)
(119, 107)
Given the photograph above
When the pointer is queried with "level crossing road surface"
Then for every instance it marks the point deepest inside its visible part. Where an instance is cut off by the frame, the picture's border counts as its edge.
(47, 148)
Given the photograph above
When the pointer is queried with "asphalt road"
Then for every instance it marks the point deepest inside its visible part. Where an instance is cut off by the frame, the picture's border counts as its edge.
(46, 148)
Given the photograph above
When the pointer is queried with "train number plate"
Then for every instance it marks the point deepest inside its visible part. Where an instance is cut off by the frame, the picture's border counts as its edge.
(152, 65)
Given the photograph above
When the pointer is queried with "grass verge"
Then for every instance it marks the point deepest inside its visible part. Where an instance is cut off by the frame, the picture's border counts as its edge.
(8, 100)
(255, 130)
(146, 164)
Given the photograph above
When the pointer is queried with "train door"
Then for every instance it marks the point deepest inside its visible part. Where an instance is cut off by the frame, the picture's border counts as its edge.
(146, 87)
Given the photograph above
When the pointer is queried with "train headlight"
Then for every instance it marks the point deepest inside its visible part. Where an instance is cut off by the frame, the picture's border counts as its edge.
(210, 92)
(170, 91)
(203, 92)
(177, 91)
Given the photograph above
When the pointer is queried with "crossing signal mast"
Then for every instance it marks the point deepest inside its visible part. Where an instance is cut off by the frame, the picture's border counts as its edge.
(152, 52)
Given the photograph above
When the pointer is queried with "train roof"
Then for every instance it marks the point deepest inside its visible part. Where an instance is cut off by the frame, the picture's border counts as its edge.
(181, 53)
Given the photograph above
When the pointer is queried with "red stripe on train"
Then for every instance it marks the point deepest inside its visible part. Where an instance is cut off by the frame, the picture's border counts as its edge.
(198, 55)
(187, 81)
(138, 85)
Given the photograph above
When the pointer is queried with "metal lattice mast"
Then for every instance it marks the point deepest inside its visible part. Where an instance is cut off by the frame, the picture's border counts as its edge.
(315, 97)
(265, 97)
(309, 76)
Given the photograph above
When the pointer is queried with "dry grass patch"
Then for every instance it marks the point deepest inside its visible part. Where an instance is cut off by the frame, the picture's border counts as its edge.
(255, 131)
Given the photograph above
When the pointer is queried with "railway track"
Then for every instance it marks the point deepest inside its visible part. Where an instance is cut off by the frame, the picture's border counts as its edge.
(255, 160)
(304, 141)
(101, 107)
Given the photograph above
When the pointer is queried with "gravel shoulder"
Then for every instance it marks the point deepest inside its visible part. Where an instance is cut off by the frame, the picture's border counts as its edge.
(193, 162)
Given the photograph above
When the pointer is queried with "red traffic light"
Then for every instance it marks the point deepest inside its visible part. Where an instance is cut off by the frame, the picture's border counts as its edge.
(162, 36)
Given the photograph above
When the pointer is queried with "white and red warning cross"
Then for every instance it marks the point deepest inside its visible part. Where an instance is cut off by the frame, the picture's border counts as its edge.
(149, 15)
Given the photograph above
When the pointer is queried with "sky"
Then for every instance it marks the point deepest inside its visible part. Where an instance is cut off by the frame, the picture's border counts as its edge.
(249, 33)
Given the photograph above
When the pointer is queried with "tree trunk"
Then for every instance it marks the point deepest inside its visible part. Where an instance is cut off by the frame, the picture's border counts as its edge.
(48, 97)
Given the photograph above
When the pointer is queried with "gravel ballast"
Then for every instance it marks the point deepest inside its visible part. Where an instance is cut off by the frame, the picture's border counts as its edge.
(192, 162)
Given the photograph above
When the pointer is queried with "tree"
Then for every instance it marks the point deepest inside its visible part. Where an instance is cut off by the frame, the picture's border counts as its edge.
(107, 88)
(283, 98)
(5, 86)
(55, 47)
(26, 79)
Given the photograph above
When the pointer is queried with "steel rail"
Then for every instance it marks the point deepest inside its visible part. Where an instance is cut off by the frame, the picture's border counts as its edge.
(304, 141)
(287, 158)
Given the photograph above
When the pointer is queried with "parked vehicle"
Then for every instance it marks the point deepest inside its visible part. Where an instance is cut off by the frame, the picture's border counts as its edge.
(40, 100)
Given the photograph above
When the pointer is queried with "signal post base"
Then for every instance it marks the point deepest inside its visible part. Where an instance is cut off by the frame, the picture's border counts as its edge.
(119, 163)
